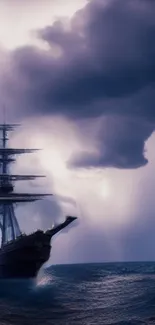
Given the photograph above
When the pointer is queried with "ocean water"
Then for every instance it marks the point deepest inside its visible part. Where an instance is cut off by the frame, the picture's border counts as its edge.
(85, 294)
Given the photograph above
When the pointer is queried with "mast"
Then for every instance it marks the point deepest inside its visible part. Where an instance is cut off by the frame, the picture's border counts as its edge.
(8, 223)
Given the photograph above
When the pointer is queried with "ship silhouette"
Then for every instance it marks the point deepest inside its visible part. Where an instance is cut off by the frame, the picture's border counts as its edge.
(21, 256)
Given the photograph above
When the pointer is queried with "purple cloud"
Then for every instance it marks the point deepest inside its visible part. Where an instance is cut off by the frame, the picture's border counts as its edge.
(106, 59)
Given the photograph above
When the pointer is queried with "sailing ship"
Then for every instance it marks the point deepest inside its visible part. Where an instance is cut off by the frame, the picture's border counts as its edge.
(21, 255)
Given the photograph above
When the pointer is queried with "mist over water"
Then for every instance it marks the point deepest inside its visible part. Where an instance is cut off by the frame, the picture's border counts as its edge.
(87, 294)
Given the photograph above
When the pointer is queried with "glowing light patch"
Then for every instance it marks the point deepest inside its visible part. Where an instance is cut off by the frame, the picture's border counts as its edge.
(105, 189)
(53, 162)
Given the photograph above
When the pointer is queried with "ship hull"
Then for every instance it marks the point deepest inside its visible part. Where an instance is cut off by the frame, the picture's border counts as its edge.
(24, 257)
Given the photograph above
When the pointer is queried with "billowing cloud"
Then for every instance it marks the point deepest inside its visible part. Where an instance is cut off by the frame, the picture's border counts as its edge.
(30, 15)
(121, 145)
(99, 63)
(106, 51)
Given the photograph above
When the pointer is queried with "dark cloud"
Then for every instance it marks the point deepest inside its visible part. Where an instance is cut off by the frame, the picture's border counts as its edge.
(121, 145)
(106, 55)
(109, 51)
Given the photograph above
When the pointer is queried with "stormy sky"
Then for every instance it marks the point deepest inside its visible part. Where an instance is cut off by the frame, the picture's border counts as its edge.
(80, 77)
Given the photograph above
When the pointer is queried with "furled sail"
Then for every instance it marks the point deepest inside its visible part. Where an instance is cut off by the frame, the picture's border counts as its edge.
(8, 223)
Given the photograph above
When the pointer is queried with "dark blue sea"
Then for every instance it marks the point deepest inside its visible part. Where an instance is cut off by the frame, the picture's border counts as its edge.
(85, 294)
